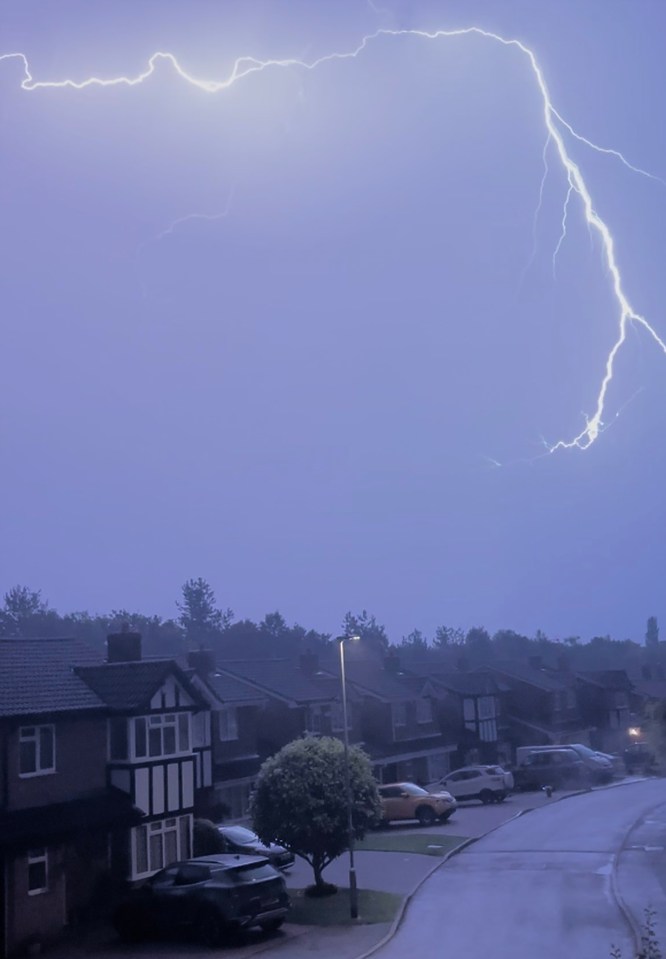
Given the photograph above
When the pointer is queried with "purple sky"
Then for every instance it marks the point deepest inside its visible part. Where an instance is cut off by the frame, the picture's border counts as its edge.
(301, 401)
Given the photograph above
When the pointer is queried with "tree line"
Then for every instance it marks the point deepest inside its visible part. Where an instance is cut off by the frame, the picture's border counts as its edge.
(199, 621)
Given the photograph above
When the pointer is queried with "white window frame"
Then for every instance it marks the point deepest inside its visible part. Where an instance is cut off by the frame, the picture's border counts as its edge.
(227, 726)
(399, 715)
(315, 718)
(171, 825)
(424, 710)
(32, 734)
(161, 721)
(337, 717)
(34, 858)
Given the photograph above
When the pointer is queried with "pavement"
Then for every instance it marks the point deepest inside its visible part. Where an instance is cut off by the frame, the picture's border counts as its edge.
(405, 873)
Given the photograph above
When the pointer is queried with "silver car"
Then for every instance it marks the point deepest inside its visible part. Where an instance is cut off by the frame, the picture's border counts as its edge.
(488, 783)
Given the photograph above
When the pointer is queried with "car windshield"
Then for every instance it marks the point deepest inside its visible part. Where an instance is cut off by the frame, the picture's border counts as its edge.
(240, 835)
(412, 790)
(586, 751)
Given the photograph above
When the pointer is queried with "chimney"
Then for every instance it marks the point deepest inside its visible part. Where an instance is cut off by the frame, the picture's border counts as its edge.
(308, 662)
(392, 662)
(202, 661)
(123, 647)
(563, 663)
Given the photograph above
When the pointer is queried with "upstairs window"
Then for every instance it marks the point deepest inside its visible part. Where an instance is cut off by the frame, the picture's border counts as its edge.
(424, 710)
(162, 735)
(37, 871)
(399, 714)
(228, 723)
(36, 750)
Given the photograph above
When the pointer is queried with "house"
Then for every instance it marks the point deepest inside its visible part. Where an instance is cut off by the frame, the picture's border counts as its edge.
(152, 757)
(97, 776)
(58, 812)
(400, 728)
(300, 698)
(541, 704)
(604, 702)
(468, 706)
(235, 713)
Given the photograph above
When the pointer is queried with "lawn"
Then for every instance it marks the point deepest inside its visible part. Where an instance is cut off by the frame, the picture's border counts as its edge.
(334, 910)
(409, 842)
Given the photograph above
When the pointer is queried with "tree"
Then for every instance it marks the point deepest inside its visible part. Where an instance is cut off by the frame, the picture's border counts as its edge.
(365, 626)
(300, 800)
(446, 636)
(274, 625)
(199, 616)
(25, 613)
(415, 642)
(652, 633)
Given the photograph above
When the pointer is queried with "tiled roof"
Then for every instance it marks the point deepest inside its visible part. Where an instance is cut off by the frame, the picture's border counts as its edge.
(131, 685)
(468, 684)
(37, 676)
(383, 683)
(229, 689)
(525, 673)
(279, 677)
(607, 678)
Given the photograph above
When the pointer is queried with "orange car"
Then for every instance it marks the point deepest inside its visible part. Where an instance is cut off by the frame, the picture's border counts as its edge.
(409, 801)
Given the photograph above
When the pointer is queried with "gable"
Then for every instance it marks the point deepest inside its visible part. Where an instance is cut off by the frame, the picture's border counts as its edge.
(171, 694)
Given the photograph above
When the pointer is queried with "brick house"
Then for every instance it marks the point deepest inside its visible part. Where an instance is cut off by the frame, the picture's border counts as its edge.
(58, 813)
(97, 776)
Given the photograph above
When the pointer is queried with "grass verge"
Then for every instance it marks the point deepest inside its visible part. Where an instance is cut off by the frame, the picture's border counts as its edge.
(410, 842)
(334, 910)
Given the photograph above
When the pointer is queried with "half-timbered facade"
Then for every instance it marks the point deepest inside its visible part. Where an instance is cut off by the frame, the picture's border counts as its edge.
(155, 718)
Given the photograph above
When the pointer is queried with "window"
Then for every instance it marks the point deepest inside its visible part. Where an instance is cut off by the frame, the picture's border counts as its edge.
(338, 719)
(424, 710)
(157, 736)
(36, 750)
(160, 843)
(314, 718)
(399, 714)
(228, 723)
(37, 871)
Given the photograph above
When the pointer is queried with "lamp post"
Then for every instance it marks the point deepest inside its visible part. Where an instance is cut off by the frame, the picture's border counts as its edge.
(353, 893)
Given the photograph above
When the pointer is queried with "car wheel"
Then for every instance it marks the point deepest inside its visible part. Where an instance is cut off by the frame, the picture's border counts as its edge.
(272, 925)
(500, 797)
(210, 929)
(486, 796)
(446, 816)
(425, 816)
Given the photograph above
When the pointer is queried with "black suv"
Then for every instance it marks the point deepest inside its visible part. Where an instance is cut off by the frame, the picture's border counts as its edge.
(210, 897)
(552, 767)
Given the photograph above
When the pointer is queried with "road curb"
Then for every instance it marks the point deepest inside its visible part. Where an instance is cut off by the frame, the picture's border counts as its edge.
(402, 909)
(622, 906)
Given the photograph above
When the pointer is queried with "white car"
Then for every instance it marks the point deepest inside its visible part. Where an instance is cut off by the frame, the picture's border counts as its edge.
(487, 783)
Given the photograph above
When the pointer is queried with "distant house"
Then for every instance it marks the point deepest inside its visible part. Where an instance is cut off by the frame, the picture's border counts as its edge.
(236, 708)
(400, 728)
(541, 705)
(605, 704)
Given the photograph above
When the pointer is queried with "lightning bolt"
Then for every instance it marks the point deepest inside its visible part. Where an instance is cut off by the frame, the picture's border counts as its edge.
(556, 127)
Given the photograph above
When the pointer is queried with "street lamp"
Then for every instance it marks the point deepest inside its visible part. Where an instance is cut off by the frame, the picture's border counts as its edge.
(353, 893)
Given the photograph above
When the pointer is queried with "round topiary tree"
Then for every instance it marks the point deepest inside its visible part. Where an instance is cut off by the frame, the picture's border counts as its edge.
(300, 800)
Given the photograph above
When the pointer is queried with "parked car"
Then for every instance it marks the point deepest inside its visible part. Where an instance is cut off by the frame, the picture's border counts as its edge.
(487, 783)
(409, 801)
(638, 757)
(210, 897)
(599, 768)
(555, 767)
(617, 762)
(242, 840)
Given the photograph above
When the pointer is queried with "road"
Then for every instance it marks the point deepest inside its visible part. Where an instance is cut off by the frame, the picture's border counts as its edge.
(545, 884)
